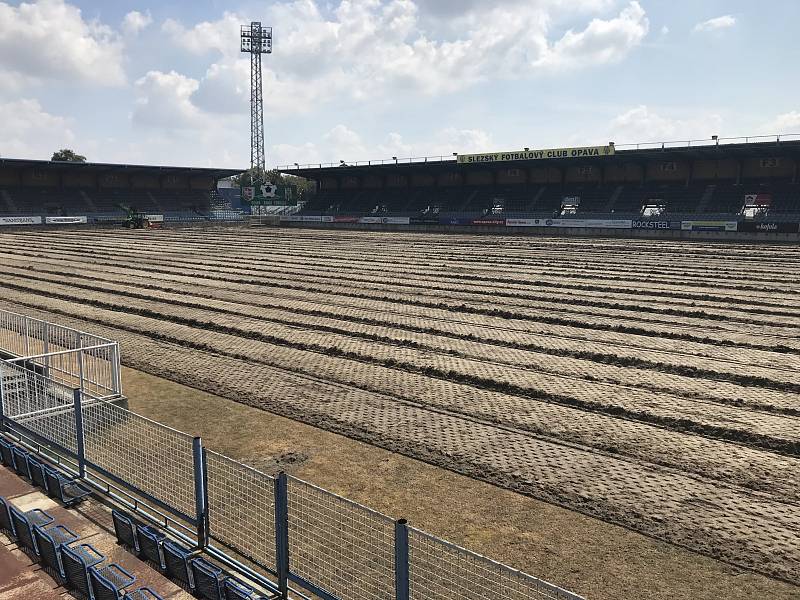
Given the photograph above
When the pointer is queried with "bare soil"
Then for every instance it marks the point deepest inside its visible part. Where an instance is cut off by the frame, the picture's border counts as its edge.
(650, 385)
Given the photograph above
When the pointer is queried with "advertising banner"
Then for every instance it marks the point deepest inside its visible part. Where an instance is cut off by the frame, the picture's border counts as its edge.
(424, 220)
(454, 221)
(709, 225)
(601, 223)
(345, 219)
(20, 220)
(487, 221)
(769, 227)
(64, 220)
(385, 220)
(155, 218)
(525, 222)
(655, 224)
(549, 153)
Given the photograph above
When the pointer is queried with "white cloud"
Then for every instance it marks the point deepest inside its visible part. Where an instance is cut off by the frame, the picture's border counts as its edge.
(640, 124)
(664, 30)
(603, 41)
(715, 24)
(784, 123)
(164, 101)
(50, 40)
(342, 143)
(31, 132)
(134, 22)
(371, 50)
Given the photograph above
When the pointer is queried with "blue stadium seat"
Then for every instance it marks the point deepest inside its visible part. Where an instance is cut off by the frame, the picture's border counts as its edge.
(23, 524)
(76, 563)
(125, 530)
(48, 542)
(66, 491)
(150, 542)
(207, 579)
(143, 593)
(7, 453)
(176, 562)
(109, 582)
(21, 462)
(36, 470)
(236, 590)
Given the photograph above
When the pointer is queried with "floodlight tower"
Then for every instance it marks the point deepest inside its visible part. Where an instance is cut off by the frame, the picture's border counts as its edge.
(256, 40)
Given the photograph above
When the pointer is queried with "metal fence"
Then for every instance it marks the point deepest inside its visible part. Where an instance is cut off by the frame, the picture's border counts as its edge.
(68, 356)
(288, 535)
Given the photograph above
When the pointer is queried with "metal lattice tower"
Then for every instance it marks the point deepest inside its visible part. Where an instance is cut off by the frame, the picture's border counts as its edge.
(256, 40)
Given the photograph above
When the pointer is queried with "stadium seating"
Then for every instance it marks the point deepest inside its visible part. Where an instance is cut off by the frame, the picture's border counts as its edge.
(87, 201)
(62, 489)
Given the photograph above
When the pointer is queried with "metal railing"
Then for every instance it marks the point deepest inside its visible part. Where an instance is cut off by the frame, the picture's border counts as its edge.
(289, 536)
(674, 144)
(68, 356)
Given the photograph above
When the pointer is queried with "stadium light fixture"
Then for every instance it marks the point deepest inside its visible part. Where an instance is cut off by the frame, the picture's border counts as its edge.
(394, 158)
(527, 149)
(255, 41)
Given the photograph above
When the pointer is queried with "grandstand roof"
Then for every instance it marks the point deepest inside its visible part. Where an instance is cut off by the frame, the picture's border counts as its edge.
(623, 154)
(16, 163)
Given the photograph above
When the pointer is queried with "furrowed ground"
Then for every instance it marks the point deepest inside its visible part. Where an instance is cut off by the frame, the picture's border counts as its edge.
(650, 384)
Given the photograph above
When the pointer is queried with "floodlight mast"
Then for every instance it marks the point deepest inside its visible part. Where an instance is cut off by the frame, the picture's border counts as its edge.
(256, 40)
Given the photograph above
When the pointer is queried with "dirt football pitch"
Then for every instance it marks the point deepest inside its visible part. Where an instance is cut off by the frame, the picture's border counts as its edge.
(621, 417)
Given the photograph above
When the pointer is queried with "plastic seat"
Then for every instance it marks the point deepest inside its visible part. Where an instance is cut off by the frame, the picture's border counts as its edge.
(23, 524)
(143, 593)
(5, 517)
(48, 542)
(36, 471)
(207, 579)
(21, 462)
(234, 589)
(125, 530)
(7, 453)
(176, 563)
(150, 542)
(108, 582)
(66, 491)
(76, 563)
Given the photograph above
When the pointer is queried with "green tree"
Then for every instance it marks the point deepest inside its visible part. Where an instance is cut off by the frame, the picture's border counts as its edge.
(67, 155)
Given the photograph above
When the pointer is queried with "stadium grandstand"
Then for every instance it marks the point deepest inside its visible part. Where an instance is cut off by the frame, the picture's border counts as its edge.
(753, 179)
(107, 191)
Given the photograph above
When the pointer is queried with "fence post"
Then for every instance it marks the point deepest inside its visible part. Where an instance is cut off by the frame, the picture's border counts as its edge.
(116, 367)
(401, 585)
(80, 440)
(282, 533)
(2, 408)
(200, 498)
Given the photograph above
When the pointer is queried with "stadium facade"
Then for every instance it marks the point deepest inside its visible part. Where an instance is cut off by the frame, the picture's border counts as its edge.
(37, 190)
(650, 188)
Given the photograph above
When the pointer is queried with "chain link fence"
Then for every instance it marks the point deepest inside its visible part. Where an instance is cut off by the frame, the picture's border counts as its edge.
(241, 509)
(339, 546)
(439, 570)
(151, 457)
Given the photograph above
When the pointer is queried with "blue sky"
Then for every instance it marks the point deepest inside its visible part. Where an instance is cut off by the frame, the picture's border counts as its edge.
(164, 83)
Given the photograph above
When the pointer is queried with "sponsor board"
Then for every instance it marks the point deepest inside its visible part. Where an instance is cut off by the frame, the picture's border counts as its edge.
(64, 220)
(20, 220)
(306, 219)
(595, 223)
(454, 221)
(709, 225)
(549, 153)
(525, 222)
(345, 219)
(155, 218)
(424, 220)
(492, 222)
(385, 220)
(655, 224)
(769, 227)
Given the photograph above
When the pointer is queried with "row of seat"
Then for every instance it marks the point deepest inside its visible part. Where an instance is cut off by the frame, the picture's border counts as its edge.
(80, 566)
(197, 575)
(43, 476)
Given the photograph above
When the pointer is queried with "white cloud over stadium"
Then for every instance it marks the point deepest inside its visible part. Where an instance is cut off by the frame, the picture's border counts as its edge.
(404, 76)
